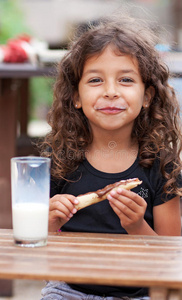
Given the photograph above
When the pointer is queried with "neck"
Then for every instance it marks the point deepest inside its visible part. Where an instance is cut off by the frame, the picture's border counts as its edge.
(112, 140)
(112, 153)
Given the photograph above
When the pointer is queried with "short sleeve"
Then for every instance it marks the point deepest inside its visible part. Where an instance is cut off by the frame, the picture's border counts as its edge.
(160, 196)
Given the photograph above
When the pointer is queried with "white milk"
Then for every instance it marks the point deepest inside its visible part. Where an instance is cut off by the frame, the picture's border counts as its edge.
(30, 221)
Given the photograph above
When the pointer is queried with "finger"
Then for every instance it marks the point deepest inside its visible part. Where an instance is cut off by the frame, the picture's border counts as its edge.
(135, 198)
(58, 215)
(64, 204)
(124, 219)
(123, 203)
(71, 198)
(122, 210)
(135, 202)
(130, 199)
(59, 210)
(68, 200)
(129, 207)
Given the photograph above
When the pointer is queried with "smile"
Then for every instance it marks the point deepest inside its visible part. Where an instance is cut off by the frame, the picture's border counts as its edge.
(110, 110)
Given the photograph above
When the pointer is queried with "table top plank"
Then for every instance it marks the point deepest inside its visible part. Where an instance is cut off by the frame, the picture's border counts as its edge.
(96, 259)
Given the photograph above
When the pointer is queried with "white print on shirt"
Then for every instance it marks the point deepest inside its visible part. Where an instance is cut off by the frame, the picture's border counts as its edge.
(143, 193)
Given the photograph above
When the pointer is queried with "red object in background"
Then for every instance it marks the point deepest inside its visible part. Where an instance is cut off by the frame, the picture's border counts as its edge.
(24, 37)
(16, 50)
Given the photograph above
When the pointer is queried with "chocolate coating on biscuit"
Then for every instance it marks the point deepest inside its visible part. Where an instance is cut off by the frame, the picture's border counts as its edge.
(109, 187)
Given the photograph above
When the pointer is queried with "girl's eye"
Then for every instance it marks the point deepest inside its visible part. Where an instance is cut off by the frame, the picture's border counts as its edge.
(126, 80)
(95, 80)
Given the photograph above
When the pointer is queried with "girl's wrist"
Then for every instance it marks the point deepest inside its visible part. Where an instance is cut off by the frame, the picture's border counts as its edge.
(142, 228)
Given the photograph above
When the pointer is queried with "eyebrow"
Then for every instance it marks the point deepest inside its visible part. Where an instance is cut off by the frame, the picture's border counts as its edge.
(124, 71)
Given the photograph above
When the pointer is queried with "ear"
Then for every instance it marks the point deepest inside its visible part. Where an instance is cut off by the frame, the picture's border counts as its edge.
(148, 96)
(76, 100)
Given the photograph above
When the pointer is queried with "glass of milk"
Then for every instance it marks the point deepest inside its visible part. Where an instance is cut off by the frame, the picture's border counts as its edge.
(30, 189)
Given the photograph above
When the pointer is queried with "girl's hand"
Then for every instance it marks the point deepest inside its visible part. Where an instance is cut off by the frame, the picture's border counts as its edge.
(61, 209)
(130, 209)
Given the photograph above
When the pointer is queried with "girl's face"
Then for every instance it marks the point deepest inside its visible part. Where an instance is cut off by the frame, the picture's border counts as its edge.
(111, 92)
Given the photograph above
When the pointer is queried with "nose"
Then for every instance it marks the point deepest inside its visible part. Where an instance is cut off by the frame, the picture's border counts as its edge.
(111, 91)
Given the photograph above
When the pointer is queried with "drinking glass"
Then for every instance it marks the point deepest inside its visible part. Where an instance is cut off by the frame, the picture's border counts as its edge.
(30, 189)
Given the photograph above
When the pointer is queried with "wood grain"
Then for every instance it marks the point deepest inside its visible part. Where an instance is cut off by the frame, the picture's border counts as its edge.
(96, 259)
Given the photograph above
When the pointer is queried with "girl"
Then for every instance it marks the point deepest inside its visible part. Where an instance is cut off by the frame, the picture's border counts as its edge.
(114, 117)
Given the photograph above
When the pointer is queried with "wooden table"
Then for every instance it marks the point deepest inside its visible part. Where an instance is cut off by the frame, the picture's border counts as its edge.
(109, 259)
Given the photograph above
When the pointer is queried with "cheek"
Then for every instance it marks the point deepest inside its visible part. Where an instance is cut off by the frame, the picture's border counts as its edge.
(88, 98)
(137, 97)
(136, 103)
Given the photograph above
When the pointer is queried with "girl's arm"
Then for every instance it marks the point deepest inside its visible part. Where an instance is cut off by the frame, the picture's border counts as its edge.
(130, 208)
(167, 218)
(61, 209)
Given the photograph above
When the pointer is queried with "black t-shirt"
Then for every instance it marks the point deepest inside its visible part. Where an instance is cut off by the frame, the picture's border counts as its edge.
(100, 217)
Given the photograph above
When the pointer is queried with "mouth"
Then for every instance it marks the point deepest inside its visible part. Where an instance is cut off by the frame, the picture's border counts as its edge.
(111, 109)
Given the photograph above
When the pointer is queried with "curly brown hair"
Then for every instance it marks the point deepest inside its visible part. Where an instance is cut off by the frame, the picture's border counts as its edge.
(157, 128)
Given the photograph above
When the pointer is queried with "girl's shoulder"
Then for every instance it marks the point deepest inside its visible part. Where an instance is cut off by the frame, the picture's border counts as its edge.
(157, 180)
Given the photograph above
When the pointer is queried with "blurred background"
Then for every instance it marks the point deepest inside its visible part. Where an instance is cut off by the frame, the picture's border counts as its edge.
(52, 23)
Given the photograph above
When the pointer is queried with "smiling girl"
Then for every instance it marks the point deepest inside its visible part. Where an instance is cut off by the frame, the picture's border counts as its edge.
(114, 117)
